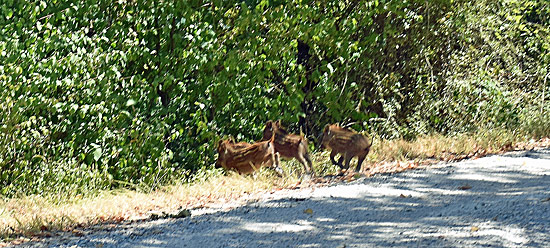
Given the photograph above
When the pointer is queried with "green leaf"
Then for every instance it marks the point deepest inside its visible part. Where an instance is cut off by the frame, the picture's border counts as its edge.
(97, 153)
(130, 102)
(330, 68)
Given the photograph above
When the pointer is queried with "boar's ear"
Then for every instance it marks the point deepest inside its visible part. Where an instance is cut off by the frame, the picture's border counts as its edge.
(272, 125)
(327, 129)
(219, 144)
(268, 124)
(278, 123)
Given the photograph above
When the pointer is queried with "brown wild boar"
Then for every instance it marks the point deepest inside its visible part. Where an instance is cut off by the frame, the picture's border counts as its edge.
(246, 158)
(346, 142)
(288, 145)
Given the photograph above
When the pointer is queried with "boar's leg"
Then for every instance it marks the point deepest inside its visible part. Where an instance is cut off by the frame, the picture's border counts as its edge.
(360, 160)
(347, 158)
(340, 160)
(332, 155)
(274, 163)
(306, 161)
(361, 157)
(277, 166)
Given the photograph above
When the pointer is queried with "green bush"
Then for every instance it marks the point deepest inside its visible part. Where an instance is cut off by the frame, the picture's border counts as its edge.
(103, 94)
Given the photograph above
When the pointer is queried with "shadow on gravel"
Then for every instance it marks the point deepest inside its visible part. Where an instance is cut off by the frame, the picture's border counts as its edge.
(498, 201)
(535, 154)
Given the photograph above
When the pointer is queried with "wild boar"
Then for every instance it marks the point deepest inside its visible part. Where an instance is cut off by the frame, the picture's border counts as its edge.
(246, 158)
(289, 145)
(346, 142)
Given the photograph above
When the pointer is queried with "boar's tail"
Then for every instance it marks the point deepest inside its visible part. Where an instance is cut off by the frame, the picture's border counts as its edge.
(371, 140)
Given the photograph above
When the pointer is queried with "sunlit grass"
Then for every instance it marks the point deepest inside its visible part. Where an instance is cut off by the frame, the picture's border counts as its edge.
(437, 146)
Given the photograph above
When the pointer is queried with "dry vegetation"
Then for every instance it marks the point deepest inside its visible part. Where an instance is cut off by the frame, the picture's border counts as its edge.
(34, 216)
(445, 147)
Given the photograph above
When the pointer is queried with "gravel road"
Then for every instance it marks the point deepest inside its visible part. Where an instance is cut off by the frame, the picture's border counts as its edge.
(497, 201)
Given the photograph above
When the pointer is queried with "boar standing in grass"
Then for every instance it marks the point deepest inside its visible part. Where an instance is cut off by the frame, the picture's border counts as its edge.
(289, 145)
(346, 142)
(246, 158)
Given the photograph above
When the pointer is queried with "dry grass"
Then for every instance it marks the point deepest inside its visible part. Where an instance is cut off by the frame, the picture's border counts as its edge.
(35, 215)
(444, 147)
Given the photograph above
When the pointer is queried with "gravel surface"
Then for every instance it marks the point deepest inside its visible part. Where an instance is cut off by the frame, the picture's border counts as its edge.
(497, 201)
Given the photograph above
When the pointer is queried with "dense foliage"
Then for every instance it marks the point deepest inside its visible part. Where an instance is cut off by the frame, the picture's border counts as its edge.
(102, 94)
